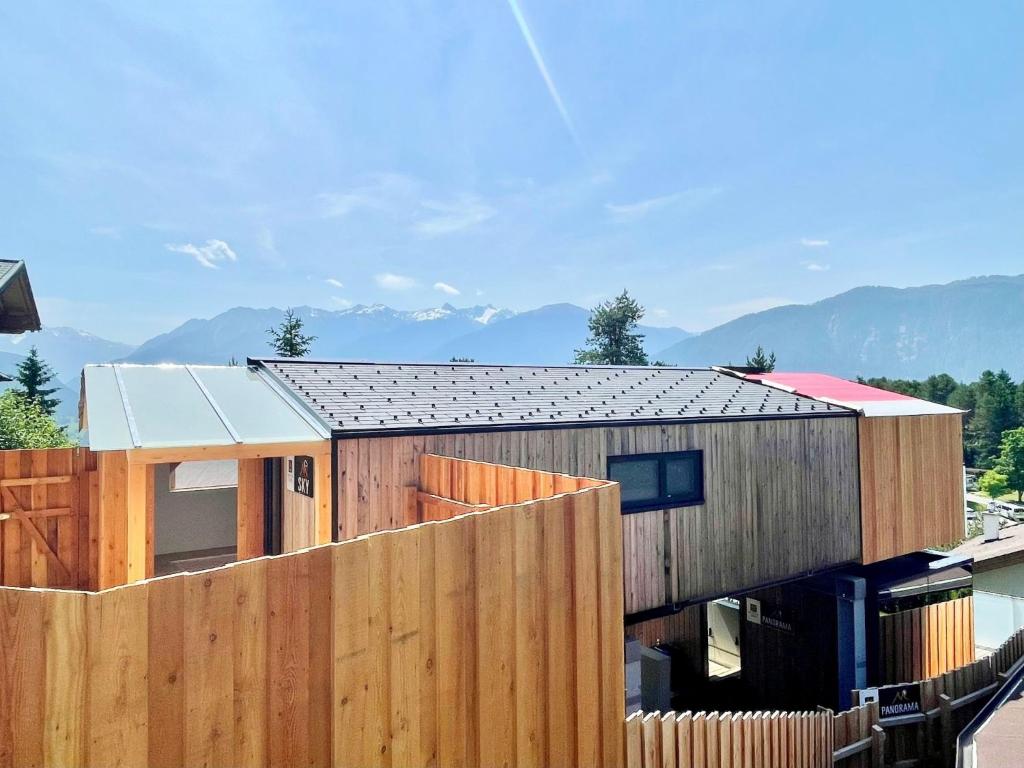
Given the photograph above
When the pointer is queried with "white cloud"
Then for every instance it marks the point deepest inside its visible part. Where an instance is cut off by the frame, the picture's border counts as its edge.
(335, 282)
(392, 282)
(625, 213)
(208, 254)
(750, 305)
(447, 218)
(813, 266)
(341, 303)
(379, 192)
(810, 242)
(659, 313)
(451, 290)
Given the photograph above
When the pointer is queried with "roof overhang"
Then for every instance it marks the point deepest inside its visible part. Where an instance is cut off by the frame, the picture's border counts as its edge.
(868, 401)
(18, 312)
(169, 412)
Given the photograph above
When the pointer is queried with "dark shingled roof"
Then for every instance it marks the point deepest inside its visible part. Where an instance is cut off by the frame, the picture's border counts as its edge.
(402, 397)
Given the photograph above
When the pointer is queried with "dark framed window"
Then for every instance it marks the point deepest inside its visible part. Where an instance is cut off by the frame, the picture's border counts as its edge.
(658, 480)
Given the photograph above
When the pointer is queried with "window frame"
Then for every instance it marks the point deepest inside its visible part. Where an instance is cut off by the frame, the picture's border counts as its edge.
(663, 500)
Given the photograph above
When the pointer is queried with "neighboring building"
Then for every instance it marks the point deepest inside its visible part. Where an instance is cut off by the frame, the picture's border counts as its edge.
(998, 585)
(18, 311)
(782, 497)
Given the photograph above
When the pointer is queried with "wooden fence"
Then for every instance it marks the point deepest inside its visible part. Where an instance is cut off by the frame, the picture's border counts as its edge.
(492, 638)
(927, 641)
(948, 702)
(46, 525)
(755, 739)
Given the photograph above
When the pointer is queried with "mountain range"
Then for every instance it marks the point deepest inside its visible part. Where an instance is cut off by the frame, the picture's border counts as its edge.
(960, 328)
(547, 336)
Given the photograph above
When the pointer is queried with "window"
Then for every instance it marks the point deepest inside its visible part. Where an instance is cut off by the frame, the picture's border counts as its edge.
(659, 480)
(203, 475)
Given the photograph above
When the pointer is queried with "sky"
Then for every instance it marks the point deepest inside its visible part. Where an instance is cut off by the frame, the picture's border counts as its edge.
(166, 161)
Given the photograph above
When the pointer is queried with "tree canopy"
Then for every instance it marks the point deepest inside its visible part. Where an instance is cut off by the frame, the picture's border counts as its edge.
(1010, 462)
(613, 338)
(24, 424)
(287, 338)
(33, 377)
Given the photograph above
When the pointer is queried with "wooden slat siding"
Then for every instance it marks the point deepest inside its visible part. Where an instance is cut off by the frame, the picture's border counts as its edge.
(926, 642)
(911, 486)
(765, 483)
(425, 646)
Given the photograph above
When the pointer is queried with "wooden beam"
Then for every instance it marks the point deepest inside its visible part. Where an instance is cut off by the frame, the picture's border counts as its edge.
(112, 519)
(21, 481)
(250, 512)
(322, 498)
(139, 512)
(222, 452)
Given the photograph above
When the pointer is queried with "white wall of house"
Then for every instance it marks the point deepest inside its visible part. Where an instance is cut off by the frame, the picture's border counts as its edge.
(186, 521)
(1002, 581)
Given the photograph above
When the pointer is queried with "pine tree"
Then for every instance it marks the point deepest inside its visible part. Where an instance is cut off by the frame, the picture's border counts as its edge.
(33, 376)
(613, 339)
(994, 413)
(761, 362)
(287, 339)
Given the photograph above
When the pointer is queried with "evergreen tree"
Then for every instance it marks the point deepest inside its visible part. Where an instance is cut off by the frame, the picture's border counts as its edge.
(994, 413)
(287, 339)
(761, 362)
(33, 376)
(938, 388)
(613, 339)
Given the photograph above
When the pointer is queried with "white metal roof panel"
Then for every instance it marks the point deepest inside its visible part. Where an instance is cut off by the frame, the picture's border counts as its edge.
(177, 406)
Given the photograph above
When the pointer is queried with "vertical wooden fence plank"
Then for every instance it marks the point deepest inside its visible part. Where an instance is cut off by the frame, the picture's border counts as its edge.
(118, 715)
(209, 668)
(352, 737)
(250, 663)
(288, 671)
(496, 659)
(66, 641)
(22, 669)
(166, 681)
(530, 667)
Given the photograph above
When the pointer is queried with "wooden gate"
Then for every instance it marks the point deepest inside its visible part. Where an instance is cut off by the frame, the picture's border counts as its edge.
(44, 517)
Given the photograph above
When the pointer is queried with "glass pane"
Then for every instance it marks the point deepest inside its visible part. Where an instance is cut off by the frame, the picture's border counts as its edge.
(639, 479)
(204, 475)
(682, 477)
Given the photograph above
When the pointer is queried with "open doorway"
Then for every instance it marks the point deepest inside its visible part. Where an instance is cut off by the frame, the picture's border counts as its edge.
(195, 508)
(724, 656)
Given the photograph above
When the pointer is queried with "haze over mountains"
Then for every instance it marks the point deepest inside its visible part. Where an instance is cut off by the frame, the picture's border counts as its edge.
(960, 328)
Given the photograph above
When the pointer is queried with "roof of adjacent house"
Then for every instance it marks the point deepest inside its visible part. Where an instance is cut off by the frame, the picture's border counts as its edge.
(172, 406)
(362, 397)
(869, 401)
(18, 311)
(1008, 549)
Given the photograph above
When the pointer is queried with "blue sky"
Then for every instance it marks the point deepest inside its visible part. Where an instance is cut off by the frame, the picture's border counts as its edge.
(160, 163)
